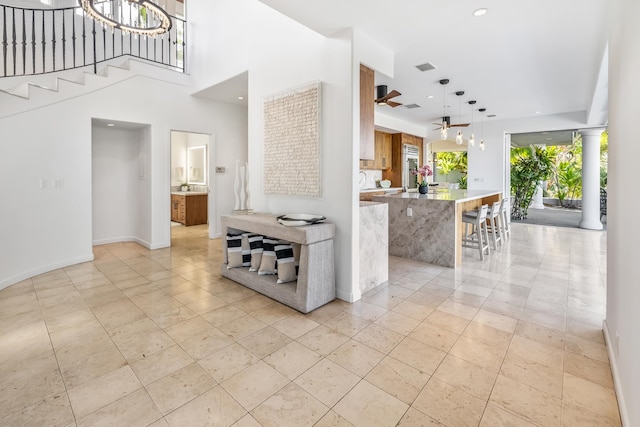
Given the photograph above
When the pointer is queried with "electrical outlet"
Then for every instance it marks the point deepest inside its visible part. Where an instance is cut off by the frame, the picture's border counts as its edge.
(220, 169)
(58, 183)
(409, 211)
(43, 184)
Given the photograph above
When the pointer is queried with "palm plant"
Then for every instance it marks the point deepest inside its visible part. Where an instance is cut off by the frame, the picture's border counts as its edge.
(528, 167)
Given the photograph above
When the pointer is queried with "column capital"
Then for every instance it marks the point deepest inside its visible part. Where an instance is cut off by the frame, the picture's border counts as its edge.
(592, 131)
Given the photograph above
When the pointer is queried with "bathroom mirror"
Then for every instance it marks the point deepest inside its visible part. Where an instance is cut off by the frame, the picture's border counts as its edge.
(197, 165)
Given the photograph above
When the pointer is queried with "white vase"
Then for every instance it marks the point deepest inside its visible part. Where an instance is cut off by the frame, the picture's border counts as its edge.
(247, 201)
(236, 186)
(242, 188)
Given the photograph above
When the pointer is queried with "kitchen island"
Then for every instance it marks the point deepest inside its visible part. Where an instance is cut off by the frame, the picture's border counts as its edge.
(428, 227)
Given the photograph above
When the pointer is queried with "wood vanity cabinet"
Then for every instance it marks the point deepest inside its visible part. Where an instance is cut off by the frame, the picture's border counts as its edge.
(189, 210)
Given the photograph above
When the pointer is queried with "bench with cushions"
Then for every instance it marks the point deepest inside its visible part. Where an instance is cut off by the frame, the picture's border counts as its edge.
(315, 283)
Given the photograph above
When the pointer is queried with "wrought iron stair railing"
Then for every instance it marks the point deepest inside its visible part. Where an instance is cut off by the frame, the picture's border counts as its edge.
(40, 41)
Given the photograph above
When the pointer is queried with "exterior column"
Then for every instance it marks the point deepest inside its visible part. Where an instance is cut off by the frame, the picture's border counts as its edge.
(537, 202)
(591, 179)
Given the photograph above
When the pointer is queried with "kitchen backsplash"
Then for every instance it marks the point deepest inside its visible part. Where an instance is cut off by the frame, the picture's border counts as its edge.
(370, 178)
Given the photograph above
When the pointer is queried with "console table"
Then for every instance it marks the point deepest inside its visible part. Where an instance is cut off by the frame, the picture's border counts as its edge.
(316, 275)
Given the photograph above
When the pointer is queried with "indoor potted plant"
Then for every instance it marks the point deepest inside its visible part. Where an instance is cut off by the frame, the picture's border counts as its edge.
(422, 173)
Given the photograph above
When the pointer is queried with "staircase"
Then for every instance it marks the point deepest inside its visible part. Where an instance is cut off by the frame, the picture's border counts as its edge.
(27, 93)
(49, 55)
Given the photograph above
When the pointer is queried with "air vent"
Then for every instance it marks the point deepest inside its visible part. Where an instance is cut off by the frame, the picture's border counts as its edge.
(426, 66)
(412, 106)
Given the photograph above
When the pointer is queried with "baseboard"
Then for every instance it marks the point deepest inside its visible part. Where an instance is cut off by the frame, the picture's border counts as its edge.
(43, 269)
(348, 296)
(613, 362)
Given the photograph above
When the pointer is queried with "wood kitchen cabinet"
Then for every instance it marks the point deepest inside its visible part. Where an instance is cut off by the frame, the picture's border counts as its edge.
(367, 87)
(382, 160)
(394, 174)
(189, 209)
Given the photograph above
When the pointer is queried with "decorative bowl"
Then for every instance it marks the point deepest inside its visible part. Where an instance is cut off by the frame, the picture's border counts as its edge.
(385, 183)
(299, 219)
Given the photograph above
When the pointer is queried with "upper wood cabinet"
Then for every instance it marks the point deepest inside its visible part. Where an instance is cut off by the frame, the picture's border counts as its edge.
(383, 157)
(367, 142)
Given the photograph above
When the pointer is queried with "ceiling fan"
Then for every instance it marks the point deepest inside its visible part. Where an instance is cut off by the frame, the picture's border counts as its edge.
(446, 124)
(383, 98)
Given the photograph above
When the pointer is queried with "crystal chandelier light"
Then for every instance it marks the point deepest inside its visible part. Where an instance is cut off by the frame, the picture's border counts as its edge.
(141, 17)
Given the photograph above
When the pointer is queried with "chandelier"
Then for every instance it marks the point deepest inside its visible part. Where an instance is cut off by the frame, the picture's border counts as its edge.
(141, 17)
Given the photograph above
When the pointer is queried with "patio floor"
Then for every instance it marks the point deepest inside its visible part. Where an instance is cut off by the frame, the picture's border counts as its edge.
(555, 216)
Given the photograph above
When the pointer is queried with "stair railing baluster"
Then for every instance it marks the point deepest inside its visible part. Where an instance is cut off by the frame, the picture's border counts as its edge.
(24, 44)
(44, 45)
(33, 40)
(73, 36)
(95, 60)
(64, 42)
(84, 38)
(4, 40)
(13, 38)
(53, 38)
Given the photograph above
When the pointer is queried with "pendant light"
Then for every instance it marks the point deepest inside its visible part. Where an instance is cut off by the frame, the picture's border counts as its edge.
(459, 135)
(472, 138)
(481, 146)
(445, 129)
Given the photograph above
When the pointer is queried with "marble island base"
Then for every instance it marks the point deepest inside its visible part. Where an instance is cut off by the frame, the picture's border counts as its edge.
(428, 227)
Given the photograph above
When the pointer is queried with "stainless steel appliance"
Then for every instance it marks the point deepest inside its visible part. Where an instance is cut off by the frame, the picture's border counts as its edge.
(411, 158)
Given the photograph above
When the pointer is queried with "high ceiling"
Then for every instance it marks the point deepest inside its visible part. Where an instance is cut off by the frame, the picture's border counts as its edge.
(521, 59)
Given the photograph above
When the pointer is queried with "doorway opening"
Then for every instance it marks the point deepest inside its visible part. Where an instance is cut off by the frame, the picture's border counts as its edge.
(191, 204)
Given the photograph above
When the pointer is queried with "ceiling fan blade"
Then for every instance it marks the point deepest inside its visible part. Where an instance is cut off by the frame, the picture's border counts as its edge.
(393, 104)
(460, 125)
(393, 94)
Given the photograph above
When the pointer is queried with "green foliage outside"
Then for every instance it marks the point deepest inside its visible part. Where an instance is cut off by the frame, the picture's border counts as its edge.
(447, 162)
(565, 182)
(528, 167)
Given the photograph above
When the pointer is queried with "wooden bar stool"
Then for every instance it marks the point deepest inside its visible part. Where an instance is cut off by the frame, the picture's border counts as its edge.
(477, 237)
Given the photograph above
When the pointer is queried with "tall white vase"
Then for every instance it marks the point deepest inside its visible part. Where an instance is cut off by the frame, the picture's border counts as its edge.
(243, 205)
(237, 186)
(247, 202)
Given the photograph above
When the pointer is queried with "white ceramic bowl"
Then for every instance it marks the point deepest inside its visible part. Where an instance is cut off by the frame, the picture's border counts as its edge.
(385, 183)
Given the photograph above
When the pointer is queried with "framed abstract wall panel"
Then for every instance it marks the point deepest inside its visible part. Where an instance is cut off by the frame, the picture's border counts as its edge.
(292, 141)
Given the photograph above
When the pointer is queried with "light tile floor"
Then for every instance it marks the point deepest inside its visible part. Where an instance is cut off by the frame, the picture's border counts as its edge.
(158, 338)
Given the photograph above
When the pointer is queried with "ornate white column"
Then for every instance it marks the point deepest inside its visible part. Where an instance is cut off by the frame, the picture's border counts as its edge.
(591, 179)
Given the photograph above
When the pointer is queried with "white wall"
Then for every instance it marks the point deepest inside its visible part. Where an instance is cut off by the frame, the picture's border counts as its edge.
(280, 54)
(44, 229)
(623, 269)
(120, 186)
(178, 158)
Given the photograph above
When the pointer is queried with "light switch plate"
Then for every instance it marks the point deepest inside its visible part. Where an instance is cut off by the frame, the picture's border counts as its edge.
(220, 169)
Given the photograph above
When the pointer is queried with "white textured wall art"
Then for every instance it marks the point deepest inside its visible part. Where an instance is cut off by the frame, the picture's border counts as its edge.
(292, 142)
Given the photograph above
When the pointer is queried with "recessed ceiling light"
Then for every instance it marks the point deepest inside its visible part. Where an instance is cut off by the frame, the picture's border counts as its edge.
(429, 96)
(241, 97)
(480, 12)
(110, 125)
(537, 112)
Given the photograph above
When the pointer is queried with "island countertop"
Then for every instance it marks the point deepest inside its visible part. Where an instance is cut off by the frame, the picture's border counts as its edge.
(428, 227)
(457, 196)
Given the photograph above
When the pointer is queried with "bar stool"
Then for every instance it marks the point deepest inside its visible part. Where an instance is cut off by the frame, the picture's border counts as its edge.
(478, 237)
(494, 223)
(505, 230)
